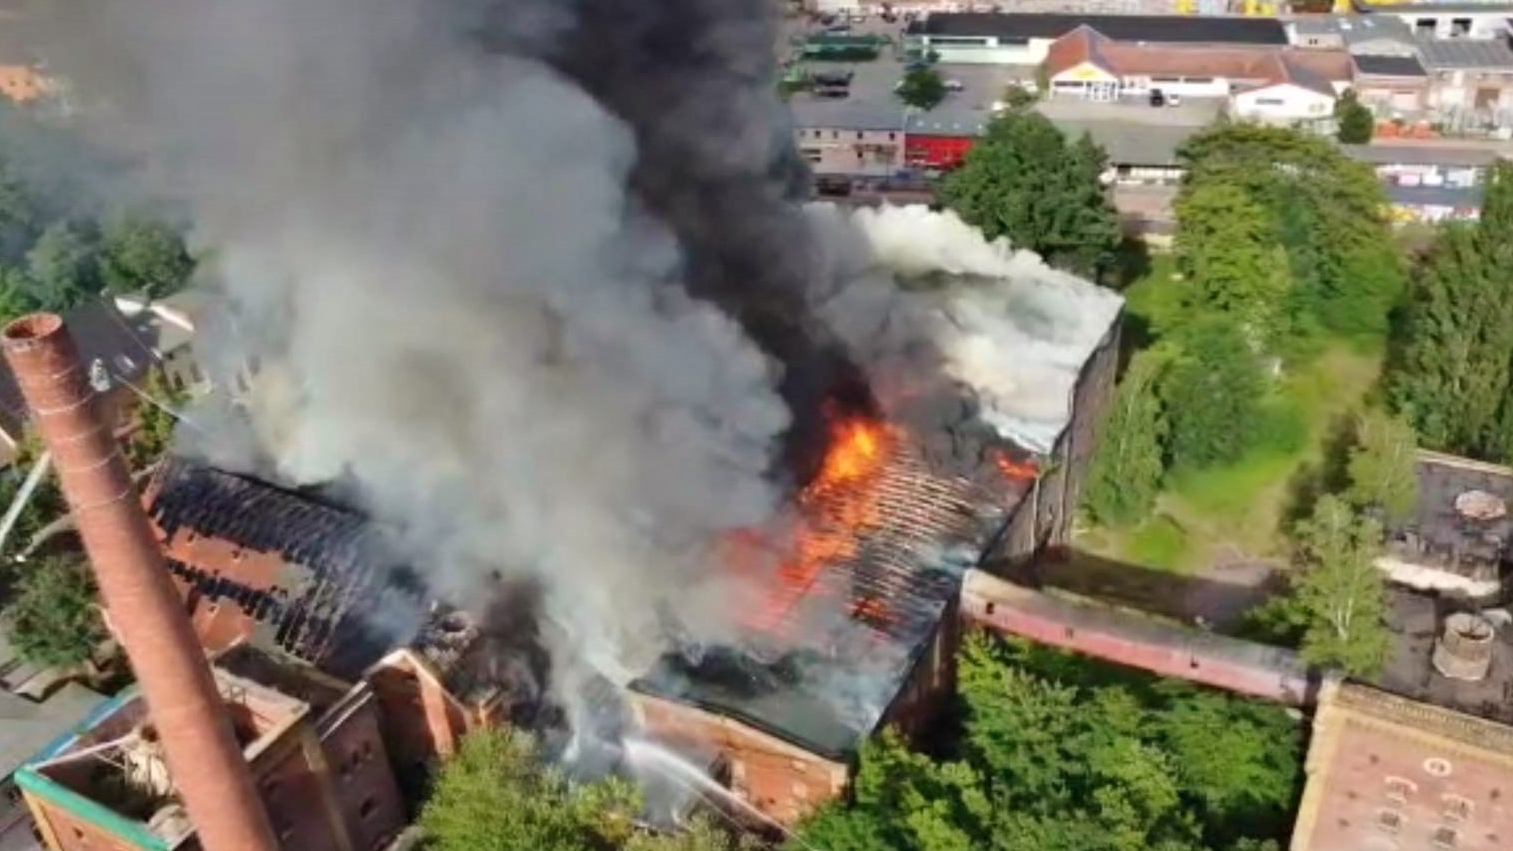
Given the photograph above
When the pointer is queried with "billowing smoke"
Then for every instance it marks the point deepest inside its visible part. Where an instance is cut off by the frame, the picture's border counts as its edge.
(532, 278)
(494, 300)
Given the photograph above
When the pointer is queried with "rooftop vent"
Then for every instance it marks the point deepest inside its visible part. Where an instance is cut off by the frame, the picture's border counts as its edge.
(1480, 505)
(1464, 649)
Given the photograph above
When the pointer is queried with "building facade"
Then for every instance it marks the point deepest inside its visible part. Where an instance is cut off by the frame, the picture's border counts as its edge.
(1386, 772)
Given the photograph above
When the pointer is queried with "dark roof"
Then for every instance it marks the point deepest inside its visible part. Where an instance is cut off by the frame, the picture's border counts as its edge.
(831, 649)
(1437, 533)
(1414, 621)
(124, 344)
(1389, 66)
(1160, 29)
(338, 570)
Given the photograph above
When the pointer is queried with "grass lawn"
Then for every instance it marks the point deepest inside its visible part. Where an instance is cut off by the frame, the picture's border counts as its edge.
(1234, 512)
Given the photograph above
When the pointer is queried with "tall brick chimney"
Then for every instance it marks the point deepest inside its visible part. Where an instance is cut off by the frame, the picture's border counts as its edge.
(204, 759)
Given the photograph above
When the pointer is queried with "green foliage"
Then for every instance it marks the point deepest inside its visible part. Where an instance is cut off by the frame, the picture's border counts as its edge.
(1356, 123)
(1025, 181)
(496, 795)
(46, 503)
(143, 256)
(1212, 393)
(1125, 474)
(1340, 596)
(1280, 230)
(1158, 542)
(922, 88)
(54, 620)
(1065, 754)
(1224, 248)
(1019, 97)
(1450, 374)
(1383, 466)
(62, 267)
(155, 425)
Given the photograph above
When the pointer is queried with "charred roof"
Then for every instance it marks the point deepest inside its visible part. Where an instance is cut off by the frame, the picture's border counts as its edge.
(831, 649)
(311, 578)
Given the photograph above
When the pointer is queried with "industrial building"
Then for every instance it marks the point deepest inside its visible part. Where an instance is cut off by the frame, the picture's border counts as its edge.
(313, 746)
(1026, 39)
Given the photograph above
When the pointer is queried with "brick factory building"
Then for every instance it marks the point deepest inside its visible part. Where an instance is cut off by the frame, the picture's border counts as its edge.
(313, 745)
(1386, 772)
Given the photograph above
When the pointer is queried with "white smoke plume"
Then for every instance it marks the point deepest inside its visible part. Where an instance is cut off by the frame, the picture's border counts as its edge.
(1011, 330)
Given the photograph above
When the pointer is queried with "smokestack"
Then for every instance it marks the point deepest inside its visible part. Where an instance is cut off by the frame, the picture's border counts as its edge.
(203, 756)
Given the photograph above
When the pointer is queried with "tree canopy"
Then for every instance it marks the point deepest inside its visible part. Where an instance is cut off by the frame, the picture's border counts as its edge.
(1212, 393)
(1288, 235)
(1125, 474)
(1024, 180)
(1451, 373)
(1340, 595)
(1066, 754)
(1383, 466)
(922, 88)
(1356, 123)
(54, 619)
(496, 794)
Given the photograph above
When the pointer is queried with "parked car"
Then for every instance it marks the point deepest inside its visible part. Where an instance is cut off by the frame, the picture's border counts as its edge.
(954, 85)
(1173, 100)
(1158, 98)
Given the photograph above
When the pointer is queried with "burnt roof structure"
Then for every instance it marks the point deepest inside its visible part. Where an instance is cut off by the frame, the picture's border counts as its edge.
(850, 633)
(309, 577)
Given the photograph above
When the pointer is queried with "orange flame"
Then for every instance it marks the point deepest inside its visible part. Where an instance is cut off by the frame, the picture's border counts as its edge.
(1017, 470)
(837, 507)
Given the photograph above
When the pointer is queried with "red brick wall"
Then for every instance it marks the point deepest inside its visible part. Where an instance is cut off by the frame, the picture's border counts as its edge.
(292, 793)
(782, 781)
(362, 778)
(1379, 776)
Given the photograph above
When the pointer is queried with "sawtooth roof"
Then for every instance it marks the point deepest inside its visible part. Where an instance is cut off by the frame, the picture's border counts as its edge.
(281, 568)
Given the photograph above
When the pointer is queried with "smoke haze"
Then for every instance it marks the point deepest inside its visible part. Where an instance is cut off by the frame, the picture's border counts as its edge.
(533, 279)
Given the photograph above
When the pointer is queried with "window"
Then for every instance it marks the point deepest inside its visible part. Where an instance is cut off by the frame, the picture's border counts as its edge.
(1456, 807)
(1269, 101)
(1445, 837)
(1390, 821)
(860, 135)
(892, 137)
(1437, 767)
(835, 134)
(1399, 788)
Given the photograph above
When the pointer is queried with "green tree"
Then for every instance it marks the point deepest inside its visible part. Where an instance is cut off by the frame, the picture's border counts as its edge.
(1450, 373)
(1024, 181)
(495, 795)
(1212, 393)
(63, 267)
(1280, 194)
(1226, 251)
(1383, 466)
(1125, 475)
(155, 420)
(55, 620)
(143, 256)
(45, 505)
(1340, 595)
(1016, 96)
(1356, 123)
(922, 88)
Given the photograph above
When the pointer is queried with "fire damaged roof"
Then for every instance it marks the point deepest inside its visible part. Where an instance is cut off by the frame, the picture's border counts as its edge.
(281, 568)
(850, 630)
